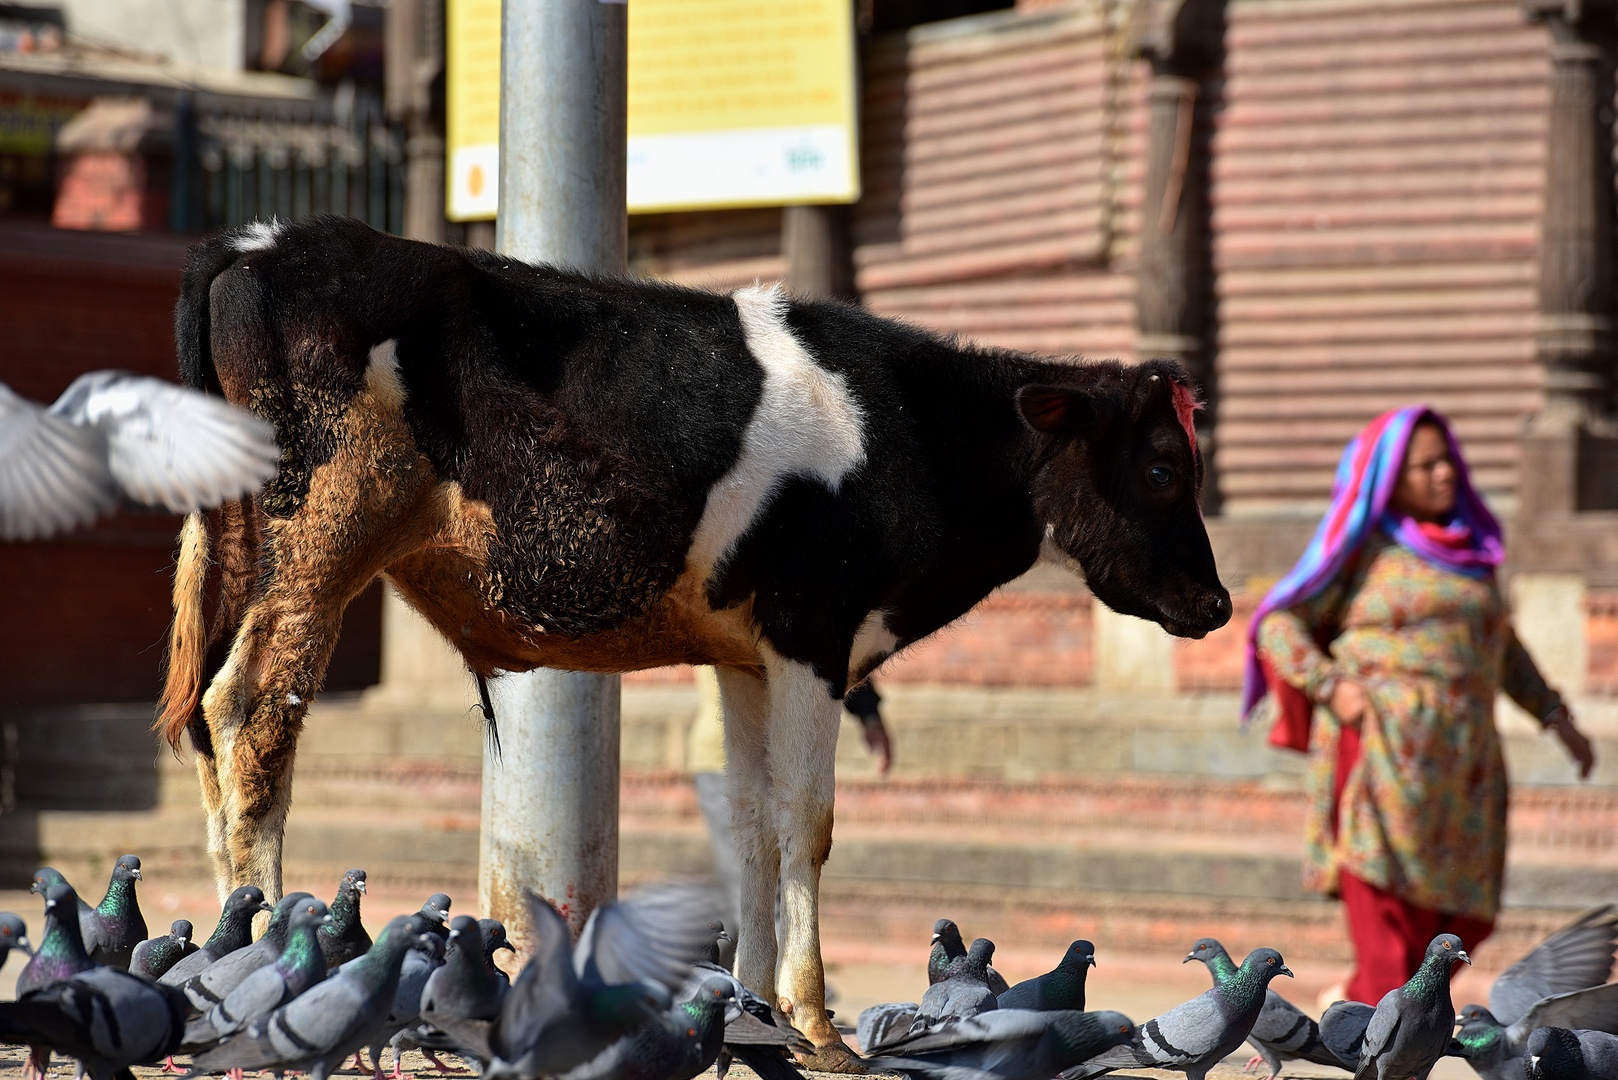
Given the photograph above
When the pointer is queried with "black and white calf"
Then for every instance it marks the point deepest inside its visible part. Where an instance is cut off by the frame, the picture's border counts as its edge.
(605, 474)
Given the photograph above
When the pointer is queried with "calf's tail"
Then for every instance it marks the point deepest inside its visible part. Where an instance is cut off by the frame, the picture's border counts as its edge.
(188, 637)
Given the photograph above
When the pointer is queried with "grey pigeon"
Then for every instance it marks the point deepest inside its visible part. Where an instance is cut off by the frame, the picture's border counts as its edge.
(965, 993)
(318, 1030)
(1559, 1054)
(213, 983)
(115, 926)
(1193, 1037)
(676, 1046)
(13, 935)
(397, 1030)
(465, 986)
(106, 1018)
(266, 989)
(153, 957)
(1009, 1044)
(571, 1003)
(883, 1025)
(948, 951)
(1496, 1050)
(436, 912)
(115, 438)
(1342, 1029)
(1282, 1032)
(234, 931)
(1060, 988)
(1410, 1029)
(494, 939)
(344, 937)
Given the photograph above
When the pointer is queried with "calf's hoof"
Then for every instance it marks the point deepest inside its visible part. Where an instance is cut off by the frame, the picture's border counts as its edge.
(834, 1057)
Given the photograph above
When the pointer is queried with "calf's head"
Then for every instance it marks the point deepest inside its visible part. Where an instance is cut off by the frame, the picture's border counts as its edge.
(1118, 485)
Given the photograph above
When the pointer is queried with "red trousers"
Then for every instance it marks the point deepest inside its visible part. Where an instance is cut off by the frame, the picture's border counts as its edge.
(1390, 934)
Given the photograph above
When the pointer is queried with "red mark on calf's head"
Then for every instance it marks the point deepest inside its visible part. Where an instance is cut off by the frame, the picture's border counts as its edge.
(1186, 407)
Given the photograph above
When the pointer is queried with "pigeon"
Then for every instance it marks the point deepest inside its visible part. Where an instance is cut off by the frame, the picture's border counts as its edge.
(106, 1018)
(1410, 1029)
(115, 926)
(153, 957)
(266, 989)
(881, 1026)
(116, 438)
(61, 952)
(401, 1029)
(723, 952)
(676, 1046)
(1282, 1032)
(1193, 1037)
(1060, 988)
(571, 1003)
(465, 986)
(316, 1031)
(1556, 1053)
(1495, 1050)
(436, 912)
(344, 937)
(965, 993)
(1009, 1044)
(494, 939)
(13, 935)
(948, 950)
(1342, 1029)
(234, 931)
(47, 876)
(209, 987)
(755, 1034)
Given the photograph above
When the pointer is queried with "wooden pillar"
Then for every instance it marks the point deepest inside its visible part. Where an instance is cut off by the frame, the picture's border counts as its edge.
(1569, 454)
(819, 254)
(1184, 41)
(415, 60)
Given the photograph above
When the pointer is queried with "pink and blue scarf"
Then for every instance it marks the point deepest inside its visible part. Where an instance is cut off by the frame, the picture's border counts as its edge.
(1468, 543)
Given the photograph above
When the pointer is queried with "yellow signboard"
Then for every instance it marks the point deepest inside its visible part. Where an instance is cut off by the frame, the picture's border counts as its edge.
(731, 103)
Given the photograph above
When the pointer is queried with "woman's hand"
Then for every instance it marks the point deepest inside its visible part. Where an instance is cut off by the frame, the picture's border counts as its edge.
(1578, 747)
(1348, 703)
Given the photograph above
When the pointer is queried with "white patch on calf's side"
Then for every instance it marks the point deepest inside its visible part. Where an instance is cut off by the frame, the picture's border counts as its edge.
(382, 377)
(257, 236)
(873, 643)
(807, 423)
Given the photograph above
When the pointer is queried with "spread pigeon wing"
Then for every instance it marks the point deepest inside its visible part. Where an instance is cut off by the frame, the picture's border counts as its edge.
(545, 988)
(168, 446)
(1577, 956)
(653, 936)
(1594, 1008)
(53, 474)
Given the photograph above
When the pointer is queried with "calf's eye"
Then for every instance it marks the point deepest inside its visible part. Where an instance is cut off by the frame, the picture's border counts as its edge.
(1160, 476)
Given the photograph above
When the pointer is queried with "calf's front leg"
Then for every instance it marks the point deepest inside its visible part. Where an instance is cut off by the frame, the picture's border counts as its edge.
(746, 705)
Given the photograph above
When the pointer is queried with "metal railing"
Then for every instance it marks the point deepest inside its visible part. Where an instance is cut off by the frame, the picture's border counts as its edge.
(238, 161)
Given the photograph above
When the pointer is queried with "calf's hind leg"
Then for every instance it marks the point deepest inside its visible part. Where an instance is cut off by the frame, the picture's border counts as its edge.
(746, 707)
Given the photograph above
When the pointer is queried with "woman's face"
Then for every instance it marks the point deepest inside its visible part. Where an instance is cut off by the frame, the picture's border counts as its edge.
(1426, 488)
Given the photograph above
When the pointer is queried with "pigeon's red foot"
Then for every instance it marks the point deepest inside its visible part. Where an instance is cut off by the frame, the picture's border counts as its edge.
(439, 1065)
(1253, 1063)
(170, 1067)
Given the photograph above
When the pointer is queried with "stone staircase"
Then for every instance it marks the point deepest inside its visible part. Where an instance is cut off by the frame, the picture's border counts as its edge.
(1032, 817)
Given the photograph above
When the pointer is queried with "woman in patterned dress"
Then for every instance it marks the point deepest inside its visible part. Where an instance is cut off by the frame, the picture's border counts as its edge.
(1392, 636)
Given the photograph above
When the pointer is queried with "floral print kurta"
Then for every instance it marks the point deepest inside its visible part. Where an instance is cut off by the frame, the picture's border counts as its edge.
(1423, 812)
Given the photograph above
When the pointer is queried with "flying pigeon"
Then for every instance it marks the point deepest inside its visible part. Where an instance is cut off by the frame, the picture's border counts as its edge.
(344, 937)
(106, 1018)
(965, 993)
(1410, 1029)
(318, 1030)
(1193, 1037)
(116, 438)
(13, 935)
(678, 1045)
(115, 926)
(1282, 1032)
(1559, 1054)
(266, 989)
(1495, 1050)
(233, 932)
(153, 957)
(949, 950)
(1059, 988)
(571, 1003)
(210, 986)
(1577, 956)
(1009, 1044)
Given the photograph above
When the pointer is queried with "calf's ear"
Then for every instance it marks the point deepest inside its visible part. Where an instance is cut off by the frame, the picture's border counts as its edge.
(1055, 410)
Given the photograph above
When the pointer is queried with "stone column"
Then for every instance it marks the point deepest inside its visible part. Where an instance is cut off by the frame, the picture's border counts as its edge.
(1569, 454)
(819, 254)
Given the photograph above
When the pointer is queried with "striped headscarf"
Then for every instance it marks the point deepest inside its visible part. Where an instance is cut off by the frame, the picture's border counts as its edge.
(1468, 543)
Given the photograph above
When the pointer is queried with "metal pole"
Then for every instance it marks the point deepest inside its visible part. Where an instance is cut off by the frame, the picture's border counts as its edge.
(550, 801)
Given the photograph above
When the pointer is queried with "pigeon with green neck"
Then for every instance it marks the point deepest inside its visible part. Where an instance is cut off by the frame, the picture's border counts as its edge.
(1282, 1032)
(60, 956)
(153, 957)
(318, 1030)
(949, 951)
(344, 937)
(116, 924)
(1195, 1036)
(1410, 1027)
(211, 986)
(233, 932)
(266, 989)
(1060, 988)
(679, 1045)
